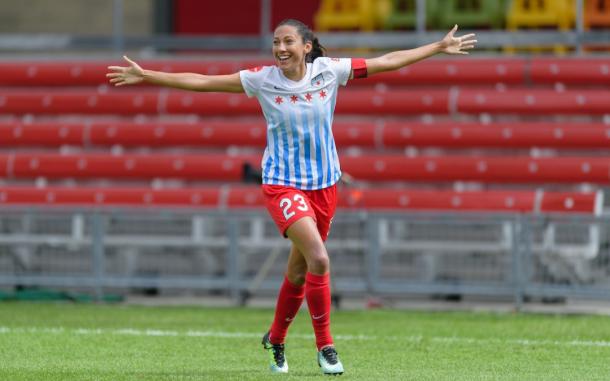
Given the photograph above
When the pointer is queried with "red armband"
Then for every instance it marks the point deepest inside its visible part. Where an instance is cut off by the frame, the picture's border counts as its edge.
(359, 67)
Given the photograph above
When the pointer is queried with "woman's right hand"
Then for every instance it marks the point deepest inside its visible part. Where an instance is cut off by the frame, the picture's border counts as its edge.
(130, 75)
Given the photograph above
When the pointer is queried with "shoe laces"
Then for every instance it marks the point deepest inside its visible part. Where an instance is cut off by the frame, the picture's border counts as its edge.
(330, 355)
(278, 354)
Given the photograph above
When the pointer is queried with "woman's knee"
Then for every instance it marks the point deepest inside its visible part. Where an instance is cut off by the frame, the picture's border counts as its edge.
(296, 277)
(296, 273)
(317, 261)
(305, 236)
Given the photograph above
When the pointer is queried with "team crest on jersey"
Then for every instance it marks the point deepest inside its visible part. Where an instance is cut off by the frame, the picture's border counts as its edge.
(318, 80)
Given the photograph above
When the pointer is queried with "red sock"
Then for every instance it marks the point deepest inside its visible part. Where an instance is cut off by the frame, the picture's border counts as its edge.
(317, 293)
(289, 301)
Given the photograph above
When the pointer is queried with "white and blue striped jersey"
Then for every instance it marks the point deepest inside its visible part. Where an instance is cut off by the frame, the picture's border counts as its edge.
(300, 150)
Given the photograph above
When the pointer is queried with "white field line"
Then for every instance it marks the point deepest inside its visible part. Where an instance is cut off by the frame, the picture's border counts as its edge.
(257, 335)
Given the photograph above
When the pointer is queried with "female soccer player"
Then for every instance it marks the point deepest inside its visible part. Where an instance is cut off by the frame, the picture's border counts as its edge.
(300, 163)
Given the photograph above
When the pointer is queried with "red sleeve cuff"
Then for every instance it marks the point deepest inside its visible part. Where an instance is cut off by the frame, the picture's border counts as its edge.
(359, 68)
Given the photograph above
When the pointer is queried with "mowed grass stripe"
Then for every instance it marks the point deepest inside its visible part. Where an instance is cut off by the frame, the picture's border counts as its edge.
(256, 335)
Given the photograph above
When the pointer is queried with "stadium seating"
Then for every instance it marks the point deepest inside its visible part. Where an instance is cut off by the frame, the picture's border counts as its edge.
(441, 72)
(541, 13)
(471, 14)
(62, 121)
(347, 15)
(443, 136)
(376, 134)
(594, 72)
(433, 72)
(236, 196)
(371, 167)
(212, 167)
(533, 101)
(353, 101)
(596, 14)
(489, 169)
(402, 14)
(91, 73)
(454, 72)
(472, 135)
(132, 102)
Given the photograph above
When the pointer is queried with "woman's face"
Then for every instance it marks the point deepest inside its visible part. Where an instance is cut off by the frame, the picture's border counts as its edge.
(288, 48)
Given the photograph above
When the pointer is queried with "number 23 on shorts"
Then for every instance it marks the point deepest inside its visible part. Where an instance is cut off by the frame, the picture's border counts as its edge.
(286, 204)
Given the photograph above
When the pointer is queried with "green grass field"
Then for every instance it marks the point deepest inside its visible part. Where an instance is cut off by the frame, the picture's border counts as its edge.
(113, 342)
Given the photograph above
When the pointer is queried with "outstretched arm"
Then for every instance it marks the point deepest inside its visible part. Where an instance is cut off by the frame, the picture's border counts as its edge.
(395, 60)
(134, 74)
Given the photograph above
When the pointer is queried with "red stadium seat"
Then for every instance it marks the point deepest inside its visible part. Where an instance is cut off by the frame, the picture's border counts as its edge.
(156, 134)
(353, 102)
(245, 197)
(86, 166)
(93, 73)
(358, 101)
(208, 104)
(453, 72)
(406, 199)
(570, 71)
(496, 135)
(527, 201)
(533, 101)
(572, 202)
(396, 102)
(208, 134)
(88, 197)
(484, 169)
(433, 72)
(378, 134)
(49, 134)
(4, 165)
(42, 102)
(237, 197)
(60, 73)
(369, 167)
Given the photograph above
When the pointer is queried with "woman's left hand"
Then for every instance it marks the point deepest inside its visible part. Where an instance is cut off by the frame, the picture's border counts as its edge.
(457, 45)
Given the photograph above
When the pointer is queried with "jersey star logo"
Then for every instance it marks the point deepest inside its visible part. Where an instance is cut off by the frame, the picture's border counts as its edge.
(322, 94)
(308, 97)
(294, 99)
(278, 100)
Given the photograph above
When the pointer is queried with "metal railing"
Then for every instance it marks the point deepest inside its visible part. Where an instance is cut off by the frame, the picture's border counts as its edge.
(241, 253)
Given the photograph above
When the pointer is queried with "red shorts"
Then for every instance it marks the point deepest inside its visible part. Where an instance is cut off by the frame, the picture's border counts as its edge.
(288, 205)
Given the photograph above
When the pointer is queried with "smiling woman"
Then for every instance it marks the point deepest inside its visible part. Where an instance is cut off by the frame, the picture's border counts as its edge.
(300, 163)
(288, 39)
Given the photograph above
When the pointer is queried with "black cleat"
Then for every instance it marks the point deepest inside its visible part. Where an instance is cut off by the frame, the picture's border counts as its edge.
(277, 359)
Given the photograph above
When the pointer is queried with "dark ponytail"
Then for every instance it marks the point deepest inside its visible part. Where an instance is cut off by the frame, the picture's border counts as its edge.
(317, 50)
